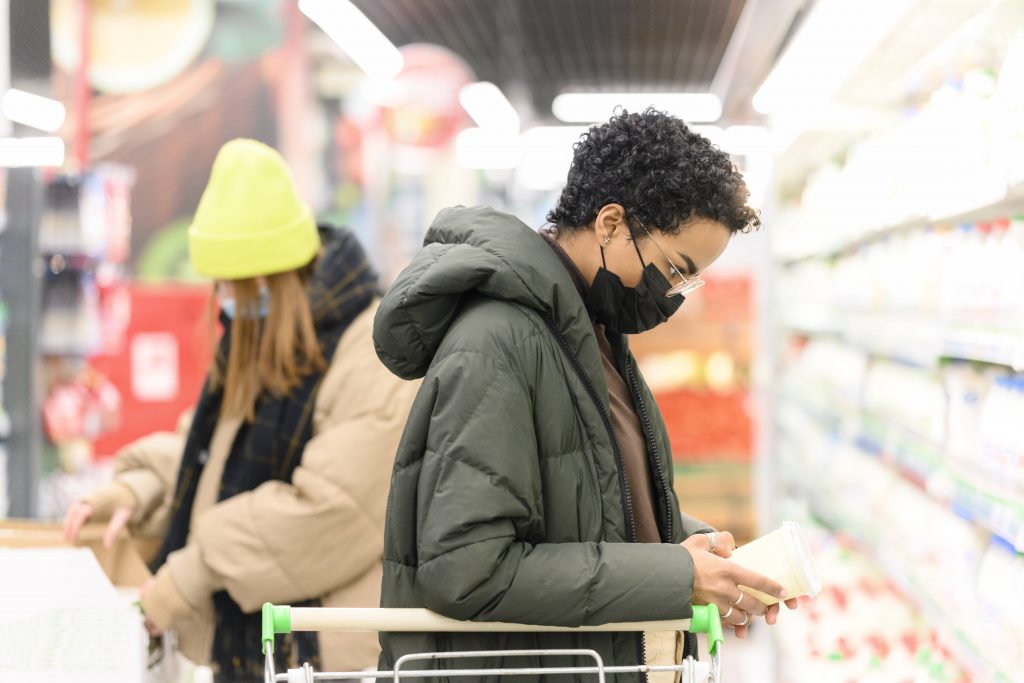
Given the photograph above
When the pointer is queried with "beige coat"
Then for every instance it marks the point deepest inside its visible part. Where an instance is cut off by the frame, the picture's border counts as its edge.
(320, 536)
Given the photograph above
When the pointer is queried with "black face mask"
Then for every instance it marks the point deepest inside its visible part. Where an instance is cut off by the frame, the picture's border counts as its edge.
(631, 310)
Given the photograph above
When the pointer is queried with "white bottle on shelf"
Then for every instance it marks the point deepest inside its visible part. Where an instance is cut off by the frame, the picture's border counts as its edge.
(1009, 143)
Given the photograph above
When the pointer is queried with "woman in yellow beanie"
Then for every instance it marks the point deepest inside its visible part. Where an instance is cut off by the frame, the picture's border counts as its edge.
(277, 489)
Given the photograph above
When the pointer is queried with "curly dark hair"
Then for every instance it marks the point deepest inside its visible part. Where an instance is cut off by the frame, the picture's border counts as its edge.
(659, 170)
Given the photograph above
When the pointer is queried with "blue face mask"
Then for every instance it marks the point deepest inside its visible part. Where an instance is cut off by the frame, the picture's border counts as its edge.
(229, 306)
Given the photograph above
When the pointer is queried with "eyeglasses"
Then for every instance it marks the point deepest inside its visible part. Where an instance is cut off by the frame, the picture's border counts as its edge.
(686, 285)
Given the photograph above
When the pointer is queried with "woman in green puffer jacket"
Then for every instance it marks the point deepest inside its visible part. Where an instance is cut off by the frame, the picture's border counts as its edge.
(533, 483)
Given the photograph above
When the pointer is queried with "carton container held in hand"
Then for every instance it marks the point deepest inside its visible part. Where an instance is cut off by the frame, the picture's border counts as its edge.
(782, 555)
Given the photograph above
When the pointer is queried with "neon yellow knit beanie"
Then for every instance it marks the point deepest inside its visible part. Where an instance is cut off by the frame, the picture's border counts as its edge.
(251, 220)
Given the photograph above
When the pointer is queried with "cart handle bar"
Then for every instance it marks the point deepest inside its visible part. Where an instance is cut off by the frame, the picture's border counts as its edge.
(286, 619)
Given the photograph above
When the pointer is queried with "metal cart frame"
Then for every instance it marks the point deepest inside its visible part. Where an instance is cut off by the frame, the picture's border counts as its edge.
(280, 619)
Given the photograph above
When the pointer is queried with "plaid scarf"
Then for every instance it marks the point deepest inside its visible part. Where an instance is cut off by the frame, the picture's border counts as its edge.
(267, 449)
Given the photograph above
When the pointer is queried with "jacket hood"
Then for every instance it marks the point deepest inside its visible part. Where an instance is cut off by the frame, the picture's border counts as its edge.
(474, 250)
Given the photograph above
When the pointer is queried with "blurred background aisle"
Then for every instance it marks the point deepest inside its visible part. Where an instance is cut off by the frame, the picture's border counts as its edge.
(855, 366)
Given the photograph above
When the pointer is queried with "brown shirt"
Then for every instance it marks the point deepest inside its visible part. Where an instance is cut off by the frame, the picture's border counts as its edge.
(629, 432)
(632, 443)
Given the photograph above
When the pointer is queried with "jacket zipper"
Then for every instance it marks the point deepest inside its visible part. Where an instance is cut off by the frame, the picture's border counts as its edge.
(627, 497)
(652, 447)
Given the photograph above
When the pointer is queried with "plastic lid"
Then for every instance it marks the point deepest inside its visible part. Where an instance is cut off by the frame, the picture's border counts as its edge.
(805, 563)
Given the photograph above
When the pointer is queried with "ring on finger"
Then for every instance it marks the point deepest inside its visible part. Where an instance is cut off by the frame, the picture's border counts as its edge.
(738, 600)
(729, 613)
(746, 619)
(712, 541)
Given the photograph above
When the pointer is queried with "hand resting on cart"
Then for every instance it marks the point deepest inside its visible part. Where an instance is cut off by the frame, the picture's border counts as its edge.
(80, 513)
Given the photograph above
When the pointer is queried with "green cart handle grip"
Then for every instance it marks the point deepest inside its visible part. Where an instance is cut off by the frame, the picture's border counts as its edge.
(705, 619)
(276, 619)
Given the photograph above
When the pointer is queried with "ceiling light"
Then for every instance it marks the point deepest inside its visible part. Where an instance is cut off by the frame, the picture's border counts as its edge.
(34, 111)
(486, 148)
(31, 152)
(590, 107)
(356, 35)
(547, 155)
(488, 106)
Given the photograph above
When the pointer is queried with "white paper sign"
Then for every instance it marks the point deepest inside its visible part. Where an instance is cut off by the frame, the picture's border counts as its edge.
(154, 366)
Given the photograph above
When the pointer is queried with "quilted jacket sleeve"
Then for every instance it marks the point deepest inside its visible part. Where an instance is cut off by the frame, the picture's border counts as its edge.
(145, 472)
(284, 542)
(479, 493)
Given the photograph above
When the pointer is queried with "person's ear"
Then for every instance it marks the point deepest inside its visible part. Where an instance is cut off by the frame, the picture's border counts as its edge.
(610, 223)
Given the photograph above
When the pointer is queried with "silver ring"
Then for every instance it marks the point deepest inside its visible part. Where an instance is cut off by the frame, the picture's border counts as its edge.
(729, 613)
(738, 600)
(712, 541)
(746, 619)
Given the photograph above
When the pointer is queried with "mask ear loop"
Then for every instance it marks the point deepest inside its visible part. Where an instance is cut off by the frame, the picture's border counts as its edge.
(641, 256)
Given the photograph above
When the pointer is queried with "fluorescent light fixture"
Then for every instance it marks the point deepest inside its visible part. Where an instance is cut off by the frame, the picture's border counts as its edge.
(31, 152)
(547, 155)
(590, 107)
(487, 148)
(746, 140)
(489, 107)
(356, 35)
(34, 111)
(833, 41)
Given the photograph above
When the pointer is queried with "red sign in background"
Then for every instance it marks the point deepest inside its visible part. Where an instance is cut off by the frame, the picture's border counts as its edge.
(160, 367)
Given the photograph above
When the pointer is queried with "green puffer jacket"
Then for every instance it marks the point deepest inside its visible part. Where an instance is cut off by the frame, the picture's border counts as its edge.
(507, 502)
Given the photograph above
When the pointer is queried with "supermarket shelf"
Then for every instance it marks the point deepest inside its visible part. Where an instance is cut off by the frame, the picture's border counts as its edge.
(903, 339)
(970, 651)
(968, 496)
(1010, 204)
(987, 504)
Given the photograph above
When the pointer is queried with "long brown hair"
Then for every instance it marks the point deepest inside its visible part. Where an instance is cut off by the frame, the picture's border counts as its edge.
(271, 355)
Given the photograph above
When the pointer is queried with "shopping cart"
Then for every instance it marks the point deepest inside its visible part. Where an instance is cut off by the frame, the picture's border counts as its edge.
(284, 619)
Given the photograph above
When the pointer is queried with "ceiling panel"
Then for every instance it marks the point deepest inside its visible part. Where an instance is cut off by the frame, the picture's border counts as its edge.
(547, 46)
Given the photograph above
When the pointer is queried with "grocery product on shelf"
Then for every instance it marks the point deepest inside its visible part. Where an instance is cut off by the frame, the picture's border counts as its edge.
(69, 325)
(921, 466)
(83, 241)
(901, 375)
(911, 398)
(986, 405)
(943, 160)
(862, 627)
(1009, 99)
(920, 296)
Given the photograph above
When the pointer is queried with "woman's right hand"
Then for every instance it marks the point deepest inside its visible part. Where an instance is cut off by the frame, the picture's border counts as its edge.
(717, 580)
(79, 513)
